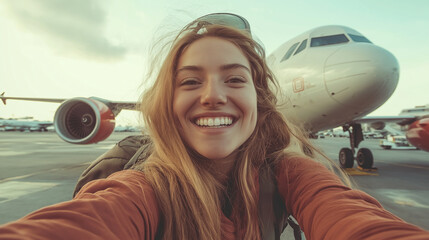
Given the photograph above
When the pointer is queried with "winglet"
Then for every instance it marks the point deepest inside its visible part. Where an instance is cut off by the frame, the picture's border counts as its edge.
(3, 98)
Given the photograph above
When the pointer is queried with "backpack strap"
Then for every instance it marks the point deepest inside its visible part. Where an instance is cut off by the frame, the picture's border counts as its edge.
(142, 153)
(265, 205)
(273, 215)
(296, 228)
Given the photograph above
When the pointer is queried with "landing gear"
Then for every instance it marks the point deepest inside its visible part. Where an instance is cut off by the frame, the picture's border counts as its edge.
(364, 157)
(346, 158)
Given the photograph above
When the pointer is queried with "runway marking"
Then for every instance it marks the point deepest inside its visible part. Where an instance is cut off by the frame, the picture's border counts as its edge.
(106, 147)
(16, 189)
(406, 165)
(357, 172)
(12, 153)
(403, 197)
(42, 172)
(407, 202)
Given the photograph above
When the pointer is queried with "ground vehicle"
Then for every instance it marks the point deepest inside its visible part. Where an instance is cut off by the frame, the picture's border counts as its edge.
(395, 142)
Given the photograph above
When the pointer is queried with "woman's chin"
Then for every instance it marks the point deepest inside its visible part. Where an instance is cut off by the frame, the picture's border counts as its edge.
(220, 156)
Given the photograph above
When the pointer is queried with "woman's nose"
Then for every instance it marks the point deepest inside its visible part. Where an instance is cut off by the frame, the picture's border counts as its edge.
(213, 94)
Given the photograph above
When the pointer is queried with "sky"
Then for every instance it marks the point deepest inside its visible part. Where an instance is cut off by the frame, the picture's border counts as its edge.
(84, 48)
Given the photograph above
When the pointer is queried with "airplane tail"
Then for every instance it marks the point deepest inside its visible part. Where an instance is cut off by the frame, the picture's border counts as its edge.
(3, 98)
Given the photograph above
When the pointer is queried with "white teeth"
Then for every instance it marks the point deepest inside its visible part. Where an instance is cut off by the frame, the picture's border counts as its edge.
(217, 121)
(214, 121)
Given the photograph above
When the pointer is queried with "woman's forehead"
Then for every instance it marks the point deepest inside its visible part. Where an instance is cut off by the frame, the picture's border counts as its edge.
(212, 51)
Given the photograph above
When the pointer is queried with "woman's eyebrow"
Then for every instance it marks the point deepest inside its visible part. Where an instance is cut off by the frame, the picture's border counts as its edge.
(223, 67)
(233, 66)
(189, 68)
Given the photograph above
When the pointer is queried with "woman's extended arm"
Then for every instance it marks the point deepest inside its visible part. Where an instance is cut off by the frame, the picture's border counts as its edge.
(122, 206)
(326, 209)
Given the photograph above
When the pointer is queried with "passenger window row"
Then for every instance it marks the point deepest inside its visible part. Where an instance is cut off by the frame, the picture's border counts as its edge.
(323, 41)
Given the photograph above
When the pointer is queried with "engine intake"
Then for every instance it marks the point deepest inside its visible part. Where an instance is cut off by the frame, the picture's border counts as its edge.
(84, 121)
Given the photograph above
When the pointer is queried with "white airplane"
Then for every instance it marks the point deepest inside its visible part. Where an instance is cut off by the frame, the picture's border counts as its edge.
(22, 125)
(331, 76)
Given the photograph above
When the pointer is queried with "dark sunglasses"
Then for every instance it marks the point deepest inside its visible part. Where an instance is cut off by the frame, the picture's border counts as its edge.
(226, 19)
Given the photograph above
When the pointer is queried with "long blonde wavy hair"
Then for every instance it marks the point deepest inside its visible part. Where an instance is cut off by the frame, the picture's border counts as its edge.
(189, 195)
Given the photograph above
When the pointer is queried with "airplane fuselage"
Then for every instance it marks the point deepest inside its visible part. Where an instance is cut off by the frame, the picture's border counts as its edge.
(329, 78)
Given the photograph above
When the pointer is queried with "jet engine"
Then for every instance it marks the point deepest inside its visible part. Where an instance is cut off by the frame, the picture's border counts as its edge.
(83, 121)
(418, 134)
(378, 125)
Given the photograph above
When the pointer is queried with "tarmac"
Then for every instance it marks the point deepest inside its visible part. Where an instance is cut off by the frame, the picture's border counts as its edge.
(39, 169)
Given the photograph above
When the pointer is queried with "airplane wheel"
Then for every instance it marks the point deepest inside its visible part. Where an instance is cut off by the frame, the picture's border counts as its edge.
(364, 158)
(346, 158)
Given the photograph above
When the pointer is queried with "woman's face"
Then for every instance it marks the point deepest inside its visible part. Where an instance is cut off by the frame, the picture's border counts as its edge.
(214, 98)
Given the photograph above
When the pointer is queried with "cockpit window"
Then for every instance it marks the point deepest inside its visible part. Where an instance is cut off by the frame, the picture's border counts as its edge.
(301, 47)
(328, 40)
(289, 52)
(359, 38)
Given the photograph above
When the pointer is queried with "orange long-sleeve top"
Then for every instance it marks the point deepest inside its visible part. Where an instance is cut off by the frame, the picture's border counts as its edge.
(124, 206)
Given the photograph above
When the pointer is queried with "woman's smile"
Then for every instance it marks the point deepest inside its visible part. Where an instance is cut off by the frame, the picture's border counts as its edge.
(214, 122)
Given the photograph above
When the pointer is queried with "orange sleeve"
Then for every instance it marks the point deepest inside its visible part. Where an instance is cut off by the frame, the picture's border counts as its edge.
(326, 209)
(123, 206)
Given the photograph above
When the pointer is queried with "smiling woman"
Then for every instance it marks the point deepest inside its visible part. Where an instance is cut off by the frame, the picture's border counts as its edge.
(218, 139)
(212, 80)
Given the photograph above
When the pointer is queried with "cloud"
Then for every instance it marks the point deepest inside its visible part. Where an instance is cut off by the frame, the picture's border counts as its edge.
(74, 27)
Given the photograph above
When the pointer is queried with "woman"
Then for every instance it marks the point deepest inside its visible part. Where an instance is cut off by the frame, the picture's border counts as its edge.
(214, 124)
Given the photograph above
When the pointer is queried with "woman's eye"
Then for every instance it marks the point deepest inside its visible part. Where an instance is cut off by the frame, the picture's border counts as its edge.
(236, 80)
(188, 82)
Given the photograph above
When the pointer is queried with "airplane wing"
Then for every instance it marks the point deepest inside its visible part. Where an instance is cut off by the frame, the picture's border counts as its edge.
(124, 105)
(53, 100)
(401, 120)
(83, 120)
(116, 107)
(45, 124)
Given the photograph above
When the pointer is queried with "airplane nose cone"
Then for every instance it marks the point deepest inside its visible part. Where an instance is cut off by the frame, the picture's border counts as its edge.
(361, 75)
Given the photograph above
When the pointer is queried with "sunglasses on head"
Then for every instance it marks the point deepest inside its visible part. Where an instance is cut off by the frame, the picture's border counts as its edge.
(226, 19)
